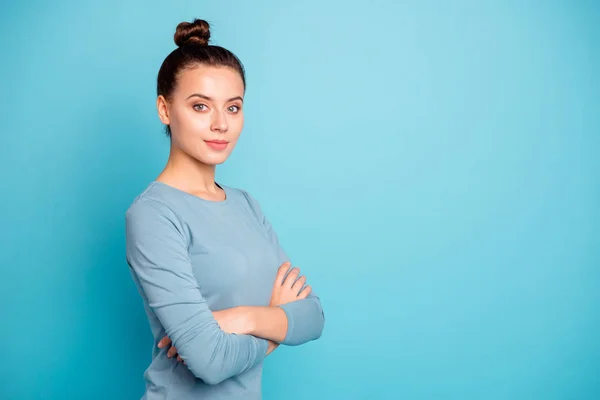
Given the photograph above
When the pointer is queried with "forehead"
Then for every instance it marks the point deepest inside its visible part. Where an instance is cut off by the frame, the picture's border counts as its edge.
(215, 82)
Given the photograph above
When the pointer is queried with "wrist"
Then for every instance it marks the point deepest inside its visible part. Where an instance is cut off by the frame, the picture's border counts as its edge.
(271, 346)
(267, 322)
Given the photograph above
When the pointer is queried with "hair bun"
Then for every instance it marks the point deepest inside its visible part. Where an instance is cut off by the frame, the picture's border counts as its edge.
(196, 32)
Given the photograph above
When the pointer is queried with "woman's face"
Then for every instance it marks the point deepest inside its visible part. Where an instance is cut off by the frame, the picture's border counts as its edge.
(205, 113)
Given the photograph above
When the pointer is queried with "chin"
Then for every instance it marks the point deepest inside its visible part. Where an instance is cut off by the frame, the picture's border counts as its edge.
(214, 160)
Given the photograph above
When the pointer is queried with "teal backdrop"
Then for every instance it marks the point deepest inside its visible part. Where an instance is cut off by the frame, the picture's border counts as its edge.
(433, 168)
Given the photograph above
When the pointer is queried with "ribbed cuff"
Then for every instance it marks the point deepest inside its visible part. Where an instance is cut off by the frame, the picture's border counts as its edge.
(288, 308)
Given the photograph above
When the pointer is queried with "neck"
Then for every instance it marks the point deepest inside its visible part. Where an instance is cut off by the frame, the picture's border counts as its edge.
(188, 174)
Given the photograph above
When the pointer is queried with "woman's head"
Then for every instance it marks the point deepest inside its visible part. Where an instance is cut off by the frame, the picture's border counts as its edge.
(200, 89)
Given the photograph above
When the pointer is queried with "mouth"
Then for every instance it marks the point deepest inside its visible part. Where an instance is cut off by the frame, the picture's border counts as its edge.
(217, 144)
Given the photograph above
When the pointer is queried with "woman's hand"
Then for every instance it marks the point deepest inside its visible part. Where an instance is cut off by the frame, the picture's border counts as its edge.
(172, 352)
(288, 288)
(285, 290)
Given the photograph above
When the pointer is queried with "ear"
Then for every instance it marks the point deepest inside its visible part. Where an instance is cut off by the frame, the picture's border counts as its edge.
(163, 110)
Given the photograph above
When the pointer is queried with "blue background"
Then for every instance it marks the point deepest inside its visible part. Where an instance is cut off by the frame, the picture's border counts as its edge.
(433, 167)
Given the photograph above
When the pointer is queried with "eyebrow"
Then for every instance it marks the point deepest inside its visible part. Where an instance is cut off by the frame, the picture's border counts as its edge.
(210, 99)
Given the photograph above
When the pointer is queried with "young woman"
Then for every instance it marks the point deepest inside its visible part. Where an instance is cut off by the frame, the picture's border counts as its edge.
(215, 283)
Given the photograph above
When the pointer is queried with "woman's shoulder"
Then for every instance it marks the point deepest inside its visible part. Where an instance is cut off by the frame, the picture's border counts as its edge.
(152, 201)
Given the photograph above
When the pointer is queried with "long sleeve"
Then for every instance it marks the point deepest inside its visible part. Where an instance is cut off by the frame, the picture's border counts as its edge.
(306, 319)
(157, 254)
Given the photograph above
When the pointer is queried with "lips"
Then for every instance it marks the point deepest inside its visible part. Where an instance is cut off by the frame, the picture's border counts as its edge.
(217, 144)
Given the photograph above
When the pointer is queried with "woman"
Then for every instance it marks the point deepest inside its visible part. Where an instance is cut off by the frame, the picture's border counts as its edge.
(214, 280)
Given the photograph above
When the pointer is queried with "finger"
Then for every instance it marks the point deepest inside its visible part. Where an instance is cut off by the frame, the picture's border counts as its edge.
(172, 351)
(305, 292)
(164, 342)
(283, 269)
(179, 358)
(296, 287)
(291, 278)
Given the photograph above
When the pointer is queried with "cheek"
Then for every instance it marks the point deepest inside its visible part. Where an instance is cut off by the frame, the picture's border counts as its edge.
(190, 122)
(236, 125)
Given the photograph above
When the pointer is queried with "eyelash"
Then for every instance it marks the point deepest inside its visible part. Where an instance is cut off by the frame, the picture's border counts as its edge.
(196, 106)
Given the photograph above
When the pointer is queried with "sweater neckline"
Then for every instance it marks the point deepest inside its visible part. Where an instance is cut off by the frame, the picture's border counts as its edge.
(201, 199)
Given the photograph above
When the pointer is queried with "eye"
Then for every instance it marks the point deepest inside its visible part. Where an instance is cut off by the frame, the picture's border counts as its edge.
(233, 109)
(199, 107)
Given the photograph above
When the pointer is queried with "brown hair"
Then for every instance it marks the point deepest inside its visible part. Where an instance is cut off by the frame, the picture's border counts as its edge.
(193, 49)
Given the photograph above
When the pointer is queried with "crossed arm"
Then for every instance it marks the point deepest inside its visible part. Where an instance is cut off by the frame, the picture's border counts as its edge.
(267, 322)
(158, 257)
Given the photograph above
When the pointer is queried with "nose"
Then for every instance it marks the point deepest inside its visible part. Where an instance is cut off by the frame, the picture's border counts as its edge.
(219, 122)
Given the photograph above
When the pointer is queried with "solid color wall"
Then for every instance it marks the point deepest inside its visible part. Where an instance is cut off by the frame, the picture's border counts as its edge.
(433, 167)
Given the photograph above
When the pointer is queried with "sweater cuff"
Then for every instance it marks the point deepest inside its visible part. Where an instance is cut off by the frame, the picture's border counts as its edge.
(263, 347)
(288, 308)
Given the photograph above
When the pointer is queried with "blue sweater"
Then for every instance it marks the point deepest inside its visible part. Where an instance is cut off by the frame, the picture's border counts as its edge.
(189, 256)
